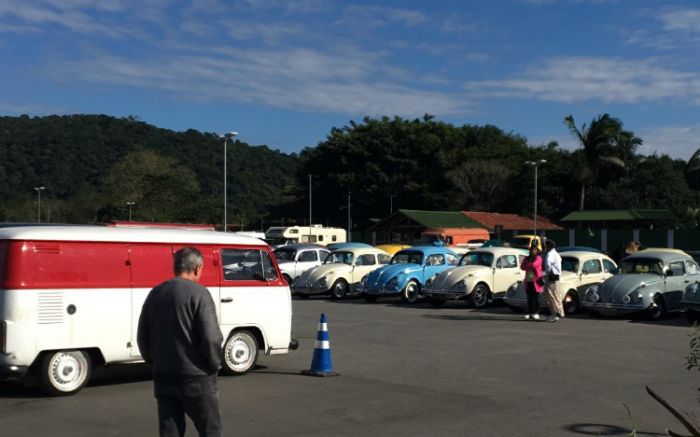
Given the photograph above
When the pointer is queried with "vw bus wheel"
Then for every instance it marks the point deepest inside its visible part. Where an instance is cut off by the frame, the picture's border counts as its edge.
(240, 353)
(657, 310)
(436, 302)
(479, 297)
(410, 293)
(339, 289)
(570, 303)
(64, 372)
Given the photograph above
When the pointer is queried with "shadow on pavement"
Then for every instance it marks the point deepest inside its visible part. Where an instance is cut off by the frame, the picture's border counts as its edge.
(599, 429)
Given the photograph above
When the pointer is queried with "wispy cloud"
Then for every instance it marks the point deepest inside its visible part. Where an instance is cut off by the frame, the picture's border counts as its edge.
(378, 16)
(79, 16)
(681, 20)
(577, 79)
(301, 79)
(676, 141)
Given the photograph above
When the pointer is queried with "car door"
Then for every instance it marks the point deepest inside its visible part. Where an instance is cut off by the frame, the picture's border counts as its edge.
(252, 295)
(305, 260)
(363, 265)
(676, 281)
(506, 273)
(591, 272)
(434, 264)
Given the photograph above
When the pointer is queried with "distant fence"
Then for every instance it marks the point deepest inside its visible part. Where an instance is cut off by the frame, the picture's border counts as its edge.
(607, 240)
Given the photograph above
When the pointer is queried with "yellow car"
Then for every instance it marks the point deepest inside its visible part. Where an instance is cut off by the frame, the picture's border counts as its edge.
(524, 241)
(392, 248)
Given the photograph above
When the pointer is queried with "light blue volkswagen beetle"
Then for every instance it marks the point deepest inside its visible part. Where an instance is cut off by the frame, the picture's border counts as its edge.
(407, 272)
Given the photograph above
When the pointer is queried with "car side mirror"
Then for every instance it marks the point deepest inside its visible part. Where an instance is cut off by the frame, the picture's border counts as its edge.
(270, 275)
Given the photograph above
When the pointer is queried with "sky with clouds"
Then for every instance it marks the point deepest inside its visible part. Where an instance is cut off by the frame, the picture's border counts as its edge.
(284, 72)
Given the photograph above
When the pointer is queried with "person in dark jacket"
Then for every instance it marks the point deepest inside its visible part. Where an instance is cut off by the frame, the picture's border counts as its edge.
(179, 336)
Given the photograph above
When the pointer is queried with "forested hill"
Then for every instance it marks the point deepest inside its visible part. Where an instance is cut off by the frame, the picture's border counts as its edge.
(91, 165)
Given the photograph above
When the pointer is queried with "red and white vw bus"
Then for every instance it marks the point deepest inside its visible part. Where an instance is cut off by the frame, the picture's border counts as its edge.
(70, 297)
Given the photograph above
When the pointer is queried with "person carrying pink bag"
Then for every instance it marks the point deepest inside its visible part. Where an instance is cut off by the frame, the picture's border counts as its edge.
(534, 282)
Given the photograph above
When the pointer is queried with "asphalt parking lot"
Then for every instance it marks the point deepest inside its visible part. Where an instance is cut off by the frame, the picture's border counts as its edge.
(413, 371)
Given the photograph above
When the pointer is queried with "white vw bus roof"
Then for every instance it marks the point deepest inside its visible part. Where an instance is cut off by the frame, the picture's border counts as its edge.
(116, 234)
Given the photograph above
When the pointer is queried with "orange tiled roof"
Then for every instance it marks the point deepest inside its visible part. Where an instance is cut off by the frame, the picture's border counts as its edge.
(510, 222)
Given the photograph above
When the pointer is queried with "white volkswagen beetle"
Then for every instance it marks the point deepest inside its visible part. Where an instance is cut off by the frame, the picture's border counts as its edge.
(481, 275)
(340, 273)
(580, 270)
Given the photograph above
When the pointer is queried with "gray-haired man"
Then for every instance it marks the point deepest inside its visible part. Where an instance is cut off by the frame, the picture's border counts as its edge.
(179, 336)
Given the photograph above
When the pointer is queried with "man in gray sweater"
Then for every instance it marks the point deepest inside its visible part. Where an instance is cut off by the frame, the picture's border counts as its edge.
(179, 336)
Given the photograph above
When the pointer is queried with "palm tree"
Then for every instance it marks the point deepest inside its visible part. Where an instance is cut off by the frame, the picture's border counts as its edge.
(598, 143)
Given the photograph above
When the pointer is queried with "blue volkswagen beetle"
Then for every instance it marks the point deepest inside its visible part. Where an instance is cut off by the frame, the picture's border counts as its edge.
(407, 272)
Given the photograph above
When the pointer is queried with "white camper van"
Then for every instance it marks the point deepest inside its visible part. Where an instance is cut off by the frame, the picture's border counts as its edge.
(280, 235)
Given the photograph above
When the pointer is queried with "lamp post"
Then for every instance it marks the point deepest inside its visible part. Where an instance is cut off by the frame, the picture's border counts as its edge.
(535, 164)
(349, 219)
(391, 204)
(38, 203)
(310, 210)
(130, 204)
(231, 135)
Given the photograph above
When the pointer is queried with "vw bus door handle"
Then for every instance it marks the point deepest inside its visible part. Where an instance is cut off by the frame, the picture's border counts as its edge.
(226, 299)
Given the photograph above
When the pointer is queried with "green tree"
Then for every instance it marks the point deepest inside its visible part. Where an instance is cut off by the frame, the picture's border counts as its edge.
(597, 143)
(162, 188)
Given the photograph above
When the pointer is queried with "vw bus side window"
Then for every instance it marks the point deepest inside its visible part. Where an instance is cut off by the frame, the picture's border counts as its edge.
(268, 267)
(243, 264)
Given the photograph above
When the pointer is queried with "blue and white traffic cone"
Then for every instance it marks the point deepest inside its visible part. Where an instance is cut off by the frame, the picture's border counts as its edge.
(321, 363)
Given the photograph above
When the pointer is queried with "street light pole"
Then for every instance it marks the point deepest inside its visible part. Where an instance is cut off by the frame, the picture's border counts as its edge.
(130, 204)
(310, 203)
(349, 220)
(231, 135)
(535, 164)
(38, 203)
(391, 204)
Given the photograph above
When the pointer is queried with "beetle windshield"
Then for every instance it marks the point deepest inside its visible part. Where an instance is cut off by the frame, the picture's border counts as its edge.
(477, 259)
(408, 257)
(642, 265)
(285, 254)
(339, 258)
(569, 264)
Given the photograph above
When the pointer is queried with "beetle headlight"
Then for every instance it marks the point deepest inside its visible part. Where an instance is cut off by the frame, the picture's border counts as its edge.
(691, 292)
(394, 282)
(461, 285)
(634, 298)
(592, 294)
(363, 281)
(323, 281)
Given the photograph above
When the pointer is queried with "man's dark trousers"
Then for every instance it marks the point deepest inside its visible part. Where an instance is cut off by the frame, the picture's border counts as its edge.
(196, 396)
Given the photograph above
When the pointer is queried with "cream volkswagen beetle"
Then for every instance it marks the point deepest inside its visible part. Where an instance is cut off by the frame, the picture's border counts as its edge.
(482, 275)
(340, 273)
(580, 270)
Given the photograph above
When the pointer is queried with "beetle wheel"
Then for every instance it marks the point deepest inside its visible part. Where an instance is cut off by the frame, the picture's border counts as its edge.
(657, 310)
(570, 302)
(479, 297)
(410, 293)
(339, 289)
